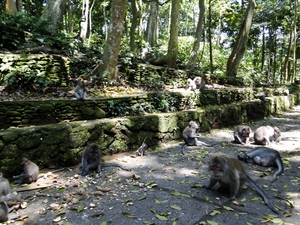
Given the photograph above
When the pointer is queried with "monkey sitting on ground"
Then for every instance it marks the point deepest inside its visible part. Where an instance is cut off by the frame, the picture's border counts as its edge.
(3, 212)
(241, 134)
(4, 186)
(266, 134)
(29, 174)
(91, 160)
(142, 149)
(231, 175)
(80, 90)
(190, 136)
(264, 157)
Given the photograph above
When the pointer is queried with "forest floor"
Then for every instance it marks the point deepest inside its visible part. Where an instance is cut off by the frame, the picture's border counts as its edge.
(165, 187)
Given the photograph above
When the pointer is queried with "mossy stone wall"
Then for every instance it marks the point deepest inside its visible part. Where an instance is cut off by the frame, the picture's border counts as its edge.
(62, 144)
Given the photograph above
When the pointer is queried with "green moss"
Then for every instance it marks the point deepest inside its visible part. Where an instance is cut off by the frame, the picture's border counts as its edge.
(29, 141)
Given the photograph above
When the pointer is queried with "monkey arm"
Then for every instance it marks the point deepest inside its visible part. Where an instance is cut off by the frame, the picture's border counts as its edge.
(238, 139)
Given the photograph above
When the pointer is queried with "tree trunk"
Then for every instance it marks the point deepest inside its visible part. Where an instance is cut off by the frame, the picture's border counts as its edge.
(240, 46)
(192, 61)
(11, 7)
(84, 23)
(173, 41)
(108, 66)
(54, 12)
(134, 22)
(151, 31)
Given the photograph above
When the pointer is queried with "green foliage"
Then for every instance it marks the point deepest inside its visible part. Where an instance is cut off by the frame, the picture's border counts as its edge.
(26, 78)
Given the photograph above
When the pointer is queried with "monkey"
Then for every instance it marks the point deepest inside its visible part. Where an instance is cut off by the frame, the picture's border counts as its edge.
(196, 83)
(4, 185)
(190, 136)
(80, 90)
(262, 96)
(231, 175)
(266, 134)
(142, 149)
(264, 157)
(241, 134)
(91, 160)
(199, 82)
(29, 174)
(3, 212)
(191, 86)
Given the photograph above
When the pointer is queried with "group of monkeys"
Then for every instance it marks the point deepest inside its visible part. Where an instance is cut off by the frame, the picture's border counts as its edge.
(229, 172)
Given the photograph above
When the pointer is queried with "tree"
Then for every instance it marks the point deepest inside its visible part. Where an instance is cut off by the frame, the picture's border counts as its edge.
(151, 31)
(240, 46)
(108, 66)
(54, 12)
(173, 40)
(84, 23)
(11, 7)
(192, 61)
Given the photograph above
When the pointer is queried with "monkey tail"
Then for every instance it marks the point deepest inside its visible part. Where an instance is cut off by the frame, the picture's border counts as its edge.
(262, 194)
(183, 148)
(280, 169)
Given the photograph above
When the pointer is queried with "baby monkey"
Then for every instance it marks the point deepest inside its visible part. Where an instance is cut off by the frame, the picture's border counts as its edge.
(264, 157)
(241, 134)
(231, 175)
(190, 136)
(266, 134)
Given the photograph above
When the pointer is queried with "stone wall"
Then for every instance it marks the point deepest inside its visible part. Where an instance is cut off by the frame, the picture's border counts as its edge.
(41, 70)
(25, 113)
(62, 144)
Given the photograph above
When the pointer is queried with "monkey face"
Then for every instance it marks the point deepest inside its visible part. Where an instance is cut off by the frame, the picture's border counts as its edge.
(193, 125)
(246, 132)
(216, 168)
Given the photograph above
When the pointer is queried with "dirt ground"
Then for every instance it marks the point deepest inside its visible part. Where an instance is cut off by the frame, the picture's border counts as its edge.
(165, 187)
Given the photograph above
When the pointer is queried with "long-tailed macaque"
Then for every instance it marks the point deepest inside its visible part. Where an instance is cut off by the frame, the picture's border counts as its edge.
(142, 149)
(199, 82)
(266, 134)
(241, 134)
(80, 90)
(196, 83)
(91, 160)
(190, 136)
(231, 175)
(29, 174)
(191, 86)
(264, 157)
(3, 212)
(4, 185)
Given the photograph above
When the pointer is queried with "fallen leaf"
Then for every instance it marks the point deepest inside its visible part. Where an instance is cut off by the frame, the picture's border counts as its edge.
(212, 222)
(127, 214)
(163, 218)
(175, 207)
(215, 212)
(228, 208)
(80, 208)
